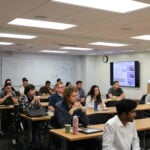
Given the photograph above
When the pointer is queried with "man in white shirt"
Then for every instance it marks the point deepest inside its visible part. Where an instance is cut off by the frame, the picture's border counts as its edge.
(120, 132)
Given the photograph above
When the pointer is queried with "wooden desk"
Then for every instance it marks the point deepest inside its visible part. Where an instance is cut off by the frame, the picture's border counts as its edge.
(4, 107)
(141, 125)
(44, 104)
(43, 118)
(44, 97)
(112, 110)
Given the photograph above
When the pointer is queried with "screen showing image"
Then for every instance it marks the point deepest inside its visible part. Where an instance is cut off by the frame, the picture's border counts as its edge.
(126, 72)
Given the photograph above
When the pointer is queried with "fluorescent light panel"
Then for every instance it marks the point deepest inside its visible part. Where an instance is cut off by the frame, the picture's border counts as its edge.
(40, 24)
(108, 44)
(17, 36)
(6, 43)
(142, 37)
(77, 48)
(120, 6)
(50, 51)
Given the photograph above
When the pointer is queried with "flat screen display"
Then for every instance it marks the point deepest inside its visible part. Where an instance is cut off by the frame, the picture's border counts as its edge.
(126, 72)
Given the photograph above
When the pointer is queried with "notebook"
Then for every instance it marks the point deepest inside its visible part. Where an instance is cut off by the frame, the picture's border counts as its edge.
(90, 130)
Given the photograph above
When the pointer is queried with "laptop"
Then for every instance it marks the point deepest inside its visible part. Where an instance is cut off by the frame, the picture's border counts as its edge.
(90, 130)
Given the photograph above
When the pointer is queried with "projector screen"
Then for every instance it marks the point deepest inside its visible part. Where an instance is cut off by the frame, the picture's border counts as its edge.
(126, 72)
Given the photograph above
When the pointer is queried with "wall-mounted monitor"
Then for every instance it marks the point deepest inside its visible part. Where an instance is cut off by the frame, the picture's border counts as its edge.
(126, 72)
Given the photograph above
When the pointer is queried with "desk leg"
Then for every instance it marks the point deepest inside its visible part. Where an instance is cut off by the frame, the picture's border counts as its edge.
(63, 144)
(1, 132)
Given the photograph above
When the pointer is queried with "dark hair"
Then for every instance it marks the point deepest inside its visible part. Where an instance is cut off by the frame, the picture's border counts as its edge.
(67, 83)
(68, 91)
(7, 80)
(58, 79)
(24, 79)
(28, 88)
(115, 82)
(7, 84)
(125, 106)
(91, 92)
(79, 81)
(47, 82)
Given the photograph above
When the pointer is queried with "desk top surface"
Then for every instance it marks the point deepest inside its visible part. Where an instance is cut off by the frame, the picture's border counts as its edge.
(112, 110)
(43, 118)
(3, 107)
(141, 125)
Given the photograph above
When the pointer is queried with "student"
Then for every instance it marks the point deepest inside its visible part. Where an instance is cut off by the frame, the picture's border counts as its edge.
(64, 112)
(81, 93)
(29, 99)
(24, 85)
(94, 96)
(29, 96)
(7, 96)
(120, 132)
(55, 98)
(9, 81)
(147, 99)
(46, 89)
(68, 84)
(116, 92)
(66, 109)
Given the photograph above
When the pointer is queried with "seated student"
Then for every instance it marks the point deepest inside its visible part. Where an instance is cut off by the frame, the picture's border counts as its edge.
(66, 109)
(7, 96)
(27, 100)
(68, 84)
(116, 92)
(9, 81)
(81, 93)
(24, 85)
(94, 96)
(55, 98)
(120, 132)
(29, 96)
(147, 99)
(64, 112)
(46, 89)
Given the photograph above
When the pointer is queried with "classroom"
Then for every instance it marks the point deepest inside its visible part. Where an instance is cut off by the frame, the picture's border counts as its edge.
(82, 50)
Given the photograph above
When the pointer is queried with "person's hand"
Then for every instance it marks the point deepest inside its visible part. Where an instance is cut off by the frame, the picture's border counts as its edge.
(8, 95)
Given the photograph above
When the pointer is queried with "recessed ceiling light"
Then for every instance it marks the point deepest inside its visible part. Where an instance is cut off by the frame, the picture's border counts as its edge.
(108, 44)
(77, 48)
(142, 37)
(108, 52)
(6, 43)
(50, 51)
(128, 50)
(120, 6)
(17, 36)
(40, 24)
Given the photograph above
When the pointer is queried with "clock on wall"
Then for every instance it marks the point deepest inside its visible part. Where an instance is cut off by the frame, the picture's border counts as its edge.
(105, 58)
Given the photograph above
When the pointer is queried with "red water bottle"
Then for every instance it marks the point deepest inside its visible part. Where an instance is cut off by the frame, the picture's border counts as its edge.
(75, 124)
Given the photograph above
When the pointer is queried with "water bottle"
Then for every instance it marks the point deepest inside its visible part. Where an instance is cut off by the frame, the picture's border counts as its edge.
(75, 124)
(95, 106)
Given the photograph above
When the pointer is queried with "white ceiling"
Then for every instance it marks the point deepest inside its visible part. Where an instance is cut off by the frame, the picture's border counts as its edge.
(92, 26)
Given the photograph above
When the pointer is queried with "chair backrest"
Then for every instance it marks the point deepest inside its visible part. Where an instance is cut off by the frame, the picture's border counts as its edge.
(98, 118)
(111, 103)
(142, 101)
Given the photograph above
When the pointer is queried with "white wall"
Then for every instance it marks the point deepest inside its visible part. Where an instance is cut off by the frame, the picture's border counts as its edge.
(91, 70)
(103, 73)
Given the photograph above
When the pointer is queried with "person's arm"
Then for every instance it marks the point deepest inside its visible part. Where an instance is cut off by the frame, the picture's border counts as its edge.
(4, 98)
(122, 96)
(135, 142)
(88, 102)
(108, 138)
(14, 99)
(62, 117)
(36, 100)
(50, 103)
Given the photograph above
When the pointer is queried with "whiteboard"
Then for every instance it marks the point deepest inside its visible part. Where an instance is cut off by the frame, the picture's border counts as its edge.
(36, 71)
